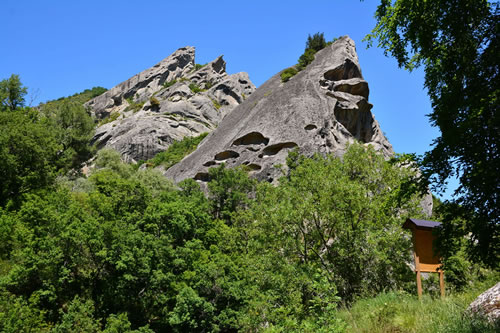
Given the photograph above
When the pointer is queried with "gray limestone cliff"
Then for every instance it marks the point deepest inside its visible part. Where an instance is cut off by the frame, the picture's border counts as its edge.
(165, 103)
(321, 109)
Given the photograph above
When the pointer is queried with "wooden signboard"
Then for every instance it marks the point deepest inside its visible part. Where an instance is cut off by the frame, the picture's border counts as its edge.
(425, 258)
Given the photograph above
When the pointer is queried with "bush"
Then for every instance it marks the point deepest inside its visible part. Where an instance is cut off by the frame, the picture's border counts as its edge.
(155, 103)
(176, 151)
(194, 88)
(306, 58)
(169, 83)
(134, 106)
(288, 74)
(112, 117)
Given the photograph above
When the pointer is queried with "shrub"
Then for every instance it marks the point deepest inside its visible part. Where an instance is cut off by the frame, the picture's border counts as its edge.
(155, 103)
(305, 59)
(216, 104)
(169, 83)
(134, 106)
(112, 117)
(176, 151)
(288, 73)
(198, 66)
(194, 88)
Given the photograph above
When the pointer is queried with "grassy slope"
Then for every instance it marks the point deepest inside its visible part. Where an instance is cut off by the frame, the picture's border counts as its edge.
(402, 312)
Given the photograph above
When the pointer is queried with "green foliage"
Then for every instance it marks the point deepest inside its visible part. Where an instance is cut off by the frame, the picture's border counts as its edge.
(29, 153)
(12, 93)
(316, 42)
(400, 312)
(288, 73)
(16, 315)
(194, 88)
(176, 151)
(198, 66)
(134, 106)
(306, 58)
(457, 43)
(344, 219)
(229, 191)
(169, 83)
(216, 104)
(74, 128)
(112, 117)
(78, 98)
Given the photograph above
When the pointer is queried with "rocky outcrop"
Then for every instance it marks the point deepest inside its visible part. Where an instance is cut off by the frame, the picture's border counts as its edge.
(165, 103)
(487, 304)
(320, 110)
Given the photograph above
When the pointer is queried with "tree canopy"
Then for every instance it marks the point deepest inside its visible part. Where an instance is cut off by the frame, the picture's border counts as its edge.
(457, 43)
(12, 93)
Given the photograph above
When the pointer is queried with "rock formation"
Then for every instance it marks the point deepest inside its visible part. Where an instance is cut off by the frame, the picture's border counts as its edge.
(487, 304)
(321, 109)
(165, 103)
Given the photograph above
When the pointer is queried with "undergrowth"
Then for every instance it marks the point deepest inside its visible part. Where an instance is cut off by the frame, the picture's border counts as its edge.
(404, 313)
(176, 152)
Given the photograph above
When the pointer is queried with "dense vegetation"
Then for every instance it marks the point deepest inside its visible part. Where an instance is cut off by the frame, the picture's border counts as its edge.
(457, 42)
(175, 152)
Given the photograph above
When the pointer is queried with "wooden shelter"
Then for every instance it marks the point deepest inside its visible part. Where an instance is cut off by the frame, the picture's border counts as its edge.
(425, 258)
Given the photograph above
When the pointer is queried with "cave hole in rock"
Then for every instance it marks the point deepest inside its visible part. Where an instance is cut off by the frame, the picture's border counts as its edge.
(276, 148)
(310, 127)
(209, 163)
(202, 176)
(347, 70)
(224, 155)
(252, 138)
(359, 88)
(254, 167)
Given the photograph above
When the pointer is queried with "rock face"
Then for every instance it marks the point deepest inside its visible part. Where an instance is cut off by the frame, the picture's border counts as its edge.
(487, 304)
(166, 103)
(321, 109)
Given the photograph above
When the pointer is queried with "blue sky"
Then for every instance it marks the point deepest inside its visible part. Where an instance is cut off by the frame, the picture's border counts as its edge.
(62, 47)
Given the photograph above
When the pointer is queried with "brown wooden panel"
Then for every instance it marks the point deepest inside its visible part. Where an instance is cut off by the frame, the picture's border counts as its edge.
(423, 247)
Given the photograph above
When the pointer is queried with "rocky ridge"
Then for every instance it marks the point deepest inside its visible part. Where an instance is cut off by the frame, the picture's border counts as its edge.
(319, 110)
(165, 103)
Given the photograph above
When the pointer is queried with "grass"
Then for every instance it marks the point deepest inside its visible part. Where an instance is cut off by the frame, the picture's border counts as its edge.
(133, 105)
(216, 104)
(112, 117)
(194, 88)
(169, 83)
(176, 152)
(404, 313)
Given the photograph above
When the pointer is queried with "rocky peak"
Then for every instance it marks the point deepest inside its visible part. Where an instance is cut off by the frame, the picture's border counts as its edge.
(165, 103)
(320, 110)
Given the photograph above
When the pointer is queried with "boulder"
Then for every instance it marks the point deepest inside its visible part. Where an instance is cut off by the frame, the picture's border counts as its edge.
(487, 304)
(166, 103)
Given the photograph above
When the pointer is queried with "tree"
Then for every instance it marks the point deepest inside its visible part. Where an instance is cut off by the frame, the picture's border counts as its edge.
(341, 219)
(317, 42)
(457, 42)
(74, 128)
(12, 93)
(28, 154)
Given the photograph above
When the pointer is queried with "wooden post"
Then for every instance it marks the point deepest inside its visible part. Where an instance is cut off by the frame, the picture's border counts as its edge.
(419, 286)
(441, 283)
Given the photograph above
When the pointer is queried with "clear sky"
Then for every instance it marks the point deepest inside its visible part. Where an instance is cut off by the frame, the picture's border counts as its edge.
(61, 47)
